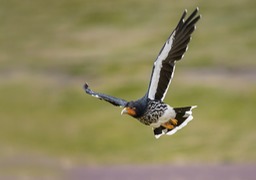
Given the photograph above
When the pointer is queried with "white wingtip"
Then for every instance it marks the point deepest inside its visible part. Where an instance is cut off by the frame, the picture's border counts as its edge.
(193, 107)
(158, 136)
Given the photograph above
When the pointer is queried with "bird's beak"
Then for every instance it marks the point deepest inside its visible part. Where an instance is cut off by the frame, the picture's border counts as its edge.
(124, 111)
(129, 111)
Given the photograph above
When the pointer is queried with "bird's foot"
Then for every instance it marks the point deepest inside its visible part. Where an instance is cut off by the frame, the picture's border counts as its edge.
(168, 125)
(174, 122)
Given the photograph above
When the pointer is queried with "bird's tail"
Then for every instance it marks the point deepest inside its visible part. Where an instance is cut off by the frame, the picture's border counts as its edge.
(183, 116)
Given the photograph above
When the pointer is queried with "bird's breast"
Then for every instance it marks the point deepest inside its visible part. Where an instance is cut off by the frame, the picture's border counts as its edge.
(154, 112)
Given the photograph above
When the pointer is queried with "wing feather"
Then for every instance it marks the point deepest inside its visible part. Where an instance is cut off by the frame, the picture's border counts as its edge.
(172, 51)
(113, 100)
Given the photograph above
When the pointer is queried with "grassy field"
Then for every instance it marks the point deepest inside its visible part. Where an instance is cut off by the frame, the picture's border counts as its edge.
(48, 49)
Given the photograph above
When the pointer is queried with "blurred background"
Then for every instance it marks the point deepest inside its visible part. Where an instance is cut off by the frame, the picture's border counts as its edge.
(48, 49)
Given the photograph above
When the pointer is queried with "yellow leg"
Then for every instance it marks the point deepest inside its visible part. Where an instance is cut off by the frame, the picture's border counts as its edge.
(174, 122)
(168, 125)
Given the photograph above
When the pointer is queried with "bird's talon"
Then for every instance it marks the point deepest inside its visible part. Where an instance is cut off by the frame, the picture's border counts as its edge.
(174, 121)
(167, 125)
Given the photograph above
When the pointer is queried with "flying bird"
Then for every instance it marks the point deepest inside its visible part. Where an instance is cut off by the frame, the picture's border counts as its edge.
(150, 109)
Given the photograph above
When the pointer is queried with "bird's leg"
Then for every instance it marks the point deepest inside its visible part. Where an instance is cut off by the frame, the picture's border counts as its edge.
(174, 122)
(170, 124)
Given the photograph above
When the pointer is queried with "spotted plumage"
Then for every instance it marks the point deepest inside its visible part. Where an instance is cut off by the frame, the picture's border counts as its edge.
(150, 109)
(154, 110)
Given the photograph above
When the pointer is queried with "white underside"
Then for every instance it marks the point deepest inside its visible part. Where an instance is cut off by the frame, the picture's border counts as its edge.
(170, 113)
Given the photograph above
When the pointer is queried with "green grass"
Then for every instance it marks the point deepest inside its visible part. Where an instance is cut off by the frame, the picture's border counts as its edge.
(65, 122)
(49, 48)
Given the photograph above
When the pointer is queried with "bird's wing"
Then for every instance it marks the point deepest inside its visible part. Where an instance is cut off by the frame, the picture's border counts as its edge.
(172, 51)
(113, 100)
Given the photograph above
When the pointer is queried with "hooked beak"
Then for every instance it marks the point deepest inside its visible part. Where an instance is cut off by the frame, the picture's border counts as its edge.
(124, 111)
(129, 111)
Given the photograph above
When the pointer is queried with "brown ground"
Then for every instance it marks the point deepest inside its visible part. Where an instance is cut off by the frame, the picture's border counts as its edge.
(197, 172)
(127, 172)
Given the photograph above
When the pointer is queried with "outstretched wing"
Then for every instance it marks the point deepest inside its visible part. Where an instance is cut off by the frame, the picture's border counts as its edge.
(113, 100)
(172, 51)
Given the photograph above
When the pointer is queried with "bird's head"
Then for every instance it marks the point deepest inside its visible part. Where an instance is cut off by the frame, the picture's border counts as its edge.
(133, 108)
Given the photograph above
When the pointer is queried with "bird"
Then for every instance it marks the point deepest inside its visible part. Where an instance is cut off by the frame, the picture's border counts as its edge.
(151, 110)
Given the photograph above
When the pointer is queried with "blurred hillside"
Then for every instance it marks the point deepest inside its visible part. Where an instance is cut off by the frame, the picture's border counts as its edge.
(48, 49)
